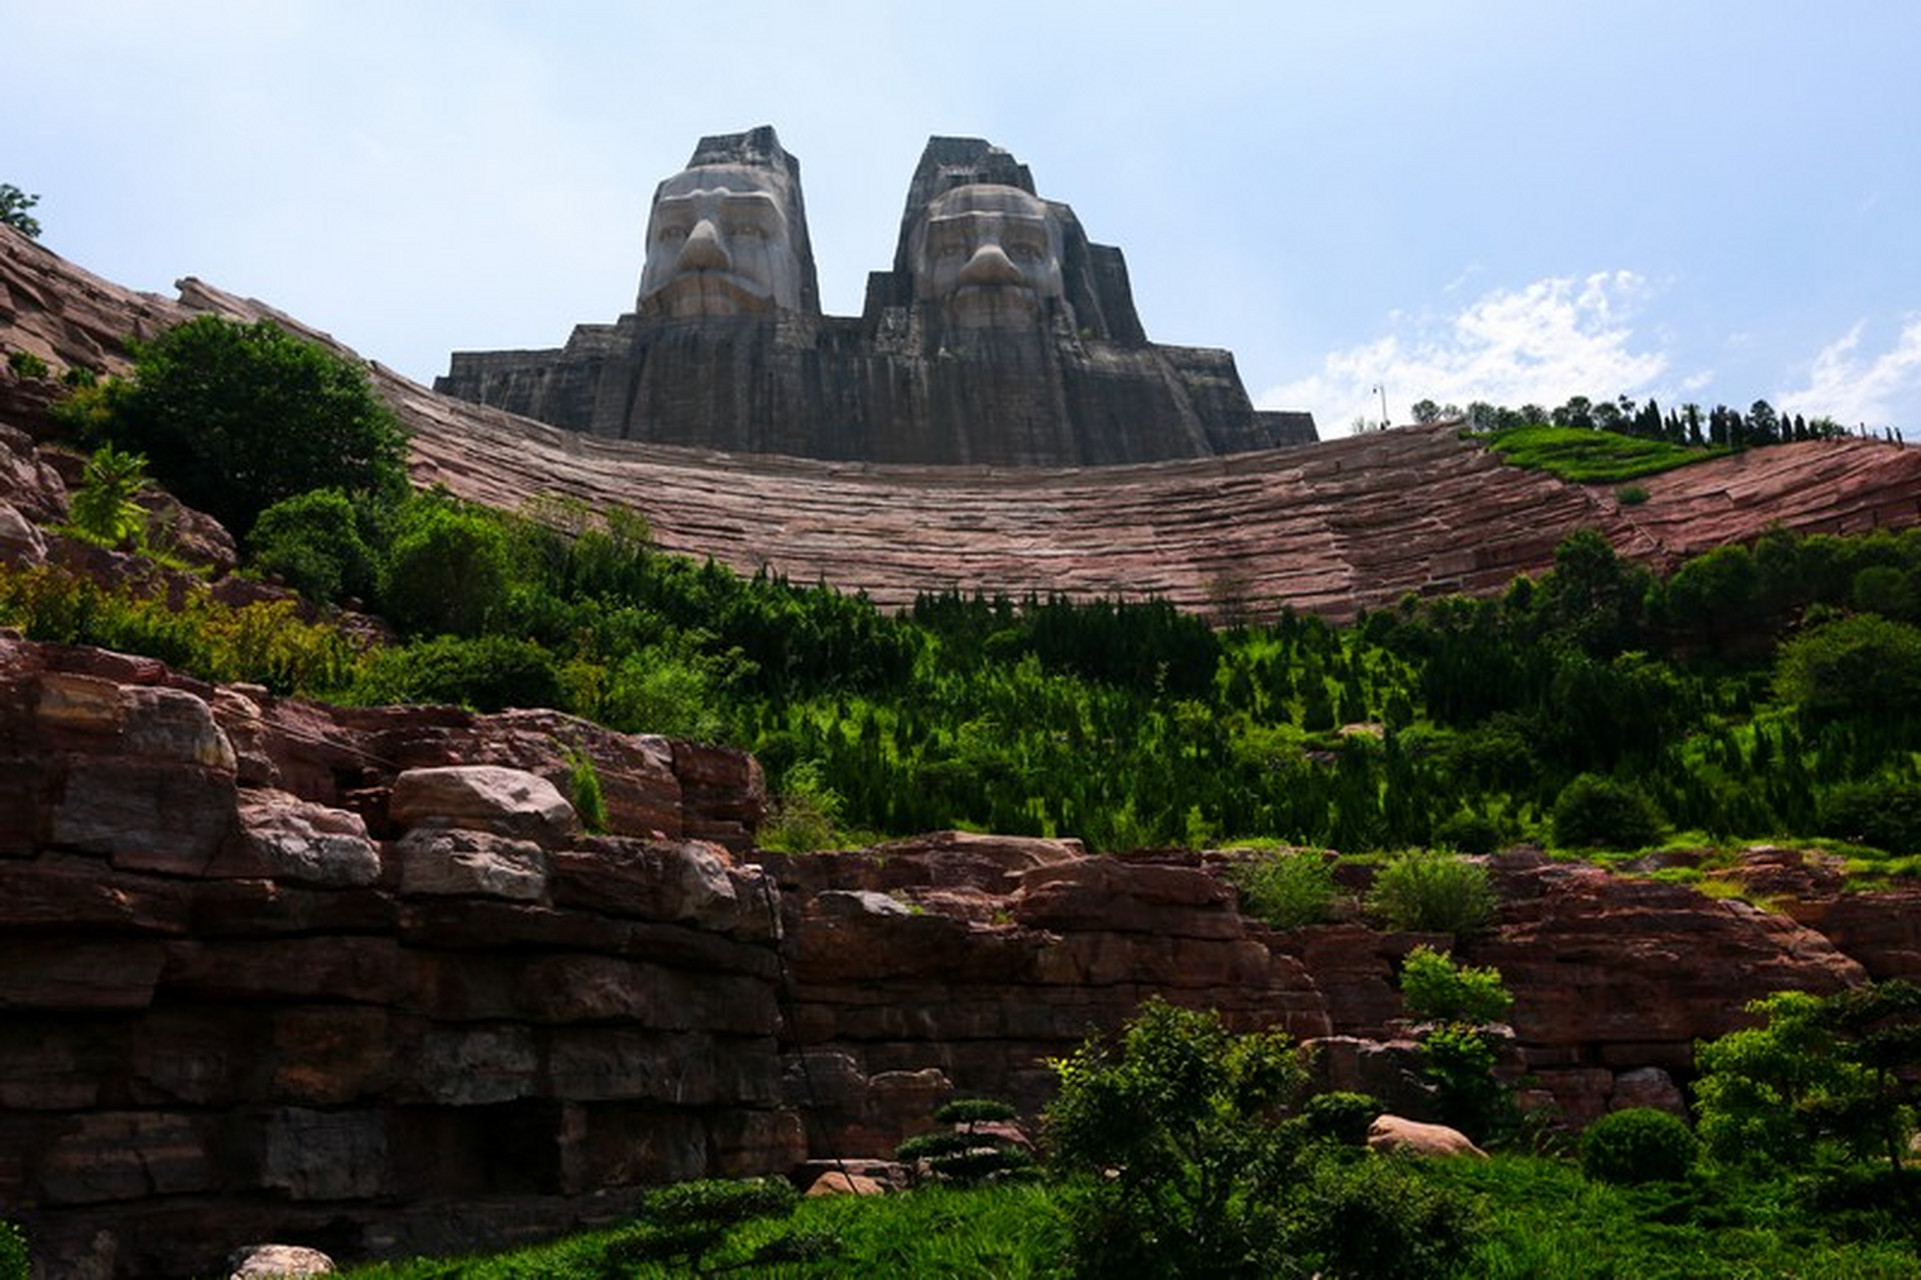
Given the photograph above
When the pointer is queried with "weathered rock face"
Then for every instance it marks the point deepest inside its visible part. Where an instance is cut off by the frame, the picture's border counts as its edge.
(968, 961)
(273, 972)
(1002, 336)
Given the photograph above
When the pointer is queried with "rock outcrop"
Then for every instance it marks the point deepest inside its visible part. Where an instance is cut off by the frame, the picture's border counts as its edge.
(1001, 337)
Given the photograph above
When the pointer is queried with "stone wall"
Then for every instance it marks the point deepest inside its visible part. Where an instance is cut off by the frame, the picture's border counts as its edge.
(272, 971)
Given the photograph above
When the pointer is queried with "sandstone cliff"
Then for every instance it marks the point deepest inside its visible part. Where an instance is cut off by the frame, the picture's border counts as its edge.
(1331, 529)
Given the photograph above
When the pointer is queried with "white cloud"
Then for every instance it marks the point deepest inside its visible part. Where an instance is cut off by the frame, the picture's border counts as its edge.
(1852, 388)
(1552, 339)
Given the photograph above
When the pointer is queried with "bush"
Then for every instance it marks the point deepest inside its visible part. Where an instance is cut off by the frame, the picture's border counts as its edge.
(448, 571)
(1859, 668)
(313, 542)
(15, 1262)
(1638, 1145)
(683, 1222)
(584, 791)
(1428, 891)
(236, 417)
(1468, 832)
(490, 673)
(1381, 1220)
(1436, 989)
(1885, 814)
(1288, 889)
(962, 1153)
(28, 365)
(1342, 1116)
(1597, 812)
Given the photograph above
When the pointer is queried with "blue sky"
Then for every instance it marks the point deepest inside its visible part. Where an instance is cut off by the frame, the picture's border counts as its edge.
(1691, 199)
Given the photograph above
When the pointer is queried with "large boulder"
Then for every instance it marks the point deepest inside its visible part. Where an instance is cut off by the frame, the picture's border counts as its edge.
(1398, 1135)
(484, 797)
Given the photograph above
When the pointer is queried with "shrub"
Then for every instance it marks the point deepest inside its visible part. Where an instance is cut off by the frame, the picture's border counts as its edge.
(1379, 1219)
(1594, 812)
(962, 1153)
(1638, 1145)
(490, 673)
(313, 542)
(15, 1262)
(1468, 832)
(14, 204)
(1885, 813)
(104, 509)
(1342, 1116)
(1288, 888)
(448, 571)
(1631, 495)
(1437, 989)
(1180, 1111)
(683, 1222)
(236, 417)
(1428, 891)
(27, 365)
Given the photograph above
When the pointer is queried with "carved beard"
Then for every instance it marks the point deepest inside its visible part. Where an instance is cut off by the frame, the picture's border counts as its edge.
(693, 294)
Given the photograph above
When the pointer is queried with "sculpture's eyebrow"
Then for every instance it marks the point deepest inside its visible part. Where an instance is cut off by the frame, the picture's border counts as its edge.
(757, 203)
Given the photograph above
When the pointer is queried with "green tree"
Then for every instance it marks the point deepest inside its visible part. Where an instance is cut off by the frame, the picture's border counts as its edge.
(1859, 668)
(236, 417)
(14, 204)
(1182, 1111)
(449, 570)
(1820, 1076)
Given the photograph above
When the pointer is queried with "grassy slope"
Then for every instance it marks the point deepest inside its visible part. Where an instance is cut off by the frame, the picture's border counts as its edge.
(1592, 457)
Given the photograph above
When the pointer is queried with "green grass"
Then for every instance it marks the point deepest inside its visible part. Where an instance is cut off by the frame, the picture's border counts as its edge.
(1007, 1232)
(1592, 457)
(1541, 1219)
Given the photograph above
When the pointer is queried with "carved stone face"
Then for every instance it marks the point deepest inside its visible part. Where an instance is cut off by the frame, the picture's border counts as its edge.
(988, 254)
(719, 244)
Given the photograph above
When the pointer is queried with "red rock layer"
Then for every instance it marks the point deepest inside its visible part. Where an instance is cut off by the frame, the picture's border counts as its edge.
(1331, 528)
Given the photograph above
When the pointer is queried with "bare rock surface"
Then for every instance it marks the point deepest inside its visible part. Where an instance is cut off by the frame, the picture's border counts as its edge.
(279, 1262)
(1396, 1134)
(483, 797)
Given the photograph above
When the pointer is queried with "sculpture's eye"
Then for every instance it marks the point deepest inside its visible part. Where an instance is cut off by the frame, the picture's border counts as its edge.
(671, 235)
(746, 231)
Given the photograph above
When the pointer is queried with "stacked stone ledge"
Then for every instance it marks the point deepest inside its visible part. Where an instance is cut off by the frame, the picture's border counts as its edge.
(261, 983)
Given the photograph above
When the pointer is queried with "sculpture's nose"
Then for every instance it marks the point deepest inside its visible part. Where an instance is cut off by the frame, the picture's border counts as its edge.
(991, 265)
(703, 250)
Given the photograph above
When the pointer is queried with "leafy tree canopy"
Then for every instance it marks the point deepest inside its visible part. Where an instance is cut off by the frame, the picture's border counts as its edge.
(236, 417)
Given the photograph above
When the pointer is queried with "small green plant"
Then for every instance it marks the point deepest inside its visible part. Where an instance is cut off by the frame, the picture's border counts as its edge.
(14, 204)
(1428, 891)
(963, 1153)
(27, 364)
(1436, 988)
(1639, 1144)
(1468, 832)
(1287, 888)
(806, 812)
(105, 509)
(583, 781)
(79, 376)
(1631, 495)
(682, 1223)
(15, 1262)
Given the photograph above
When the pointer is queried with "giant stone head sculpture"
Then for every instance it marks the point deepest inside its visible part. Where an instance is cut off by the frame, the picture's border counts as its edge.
(988, 254)
(728, 234)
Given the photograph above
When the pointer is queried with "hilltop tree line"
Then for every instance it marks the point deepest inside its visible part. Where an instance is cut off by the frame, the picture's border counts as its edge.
(1690, 424)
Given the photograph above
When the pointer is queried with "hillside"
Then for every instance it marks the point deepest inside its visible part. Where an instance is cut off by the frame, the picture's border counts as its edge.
(1331, 529)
